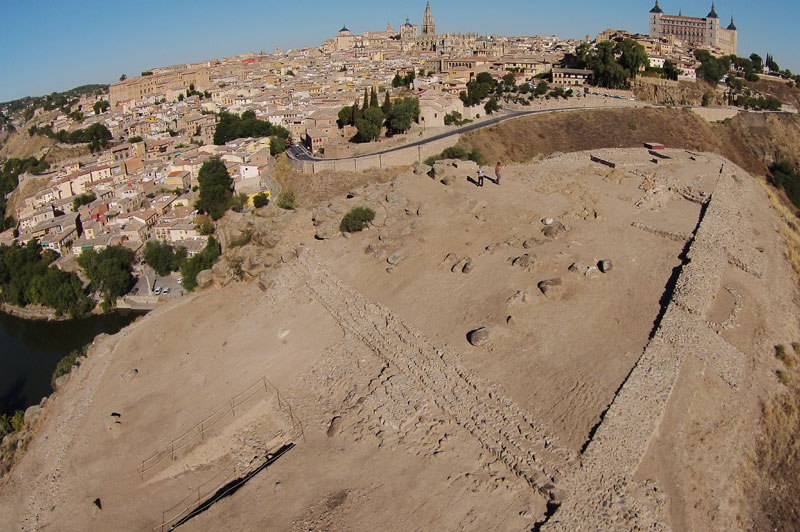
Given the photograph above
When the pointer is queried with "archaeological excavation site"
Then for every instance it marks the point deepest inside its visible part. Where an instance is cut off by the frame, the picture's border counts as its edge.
(588, 345)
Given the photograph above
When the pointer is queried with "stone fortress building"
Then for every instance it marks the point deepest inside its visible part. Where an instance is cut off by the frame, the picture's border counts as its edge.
(706, 32)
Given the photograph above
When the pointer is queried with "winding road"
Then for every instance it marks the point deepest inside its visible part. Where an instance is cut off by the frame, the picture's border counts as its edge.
(298, 152)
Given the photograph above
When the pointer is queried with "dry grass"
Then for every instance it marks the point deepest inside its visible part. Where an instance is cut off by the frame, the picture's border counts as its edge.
(774, 483)
(313, 189)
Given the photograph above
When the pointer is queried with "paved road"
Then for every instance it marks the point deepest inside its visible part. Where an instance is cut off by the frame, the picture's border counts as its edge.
(296, 151)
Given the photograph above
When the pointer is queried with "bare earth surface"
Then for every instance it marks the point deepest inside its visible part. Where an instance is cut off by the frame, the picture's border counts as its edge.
(617, 400)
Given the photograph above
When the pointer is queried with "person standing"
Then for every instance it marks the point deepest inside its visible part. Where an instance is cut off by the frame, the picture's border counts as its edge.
(480, 176)
(497, 169)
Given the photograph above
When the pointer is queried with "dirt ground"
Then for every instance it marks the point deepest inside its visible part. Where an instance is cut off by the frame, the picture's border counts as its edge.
(399, 421)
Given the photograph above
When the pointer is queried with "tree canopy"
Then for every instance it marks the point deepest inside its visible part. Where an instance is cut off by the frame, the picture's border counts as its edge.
(215, 188)
(231, 127)
(109, 270)
(405, 111)
(162, 257)
(27, 277)
(97, 135)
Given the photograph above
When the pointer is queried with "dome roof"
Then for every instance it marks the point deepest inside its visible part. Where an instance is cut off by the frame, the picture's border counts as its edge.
(656, 8)
(713, 12)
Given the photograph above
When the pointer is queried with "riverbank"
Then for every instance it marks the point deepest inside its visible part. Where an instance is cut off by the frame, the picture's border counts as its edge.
(32, 313)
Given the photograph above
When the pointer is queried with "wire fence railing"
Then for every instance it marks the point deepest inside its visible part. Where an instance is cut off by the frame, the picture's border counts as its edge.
(184, 442)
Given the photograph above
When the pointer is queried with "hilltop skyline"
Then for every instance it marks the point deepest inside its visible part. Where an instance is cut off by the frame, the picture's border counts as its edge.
(53, 47)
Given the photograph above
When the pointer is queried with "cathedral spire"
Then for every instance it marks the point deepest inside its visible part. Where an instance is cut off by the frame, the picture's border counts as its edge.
(428, 25)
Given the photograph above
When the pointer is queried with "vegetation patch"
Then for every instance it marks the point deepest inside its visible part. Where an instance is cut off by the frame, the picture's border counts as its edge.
(66, 364)
(201, 261)
(356, 219)
(286, 200)
(458, 152)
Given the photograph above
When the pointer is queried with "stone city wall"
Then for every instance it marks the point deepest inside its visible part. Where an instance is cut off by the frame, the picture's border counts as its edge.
(601, 490)
(401, 157)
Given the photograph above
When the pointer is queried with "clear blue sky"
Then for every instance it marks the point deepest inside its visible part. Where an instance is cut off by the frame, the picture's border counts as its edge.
(49, 45)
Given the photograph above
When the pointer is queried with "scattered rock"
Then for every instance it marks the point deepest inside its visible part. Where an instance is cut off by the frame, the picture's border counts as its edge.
(448, 180)
(510, 321)
(98, 504)
(547, 221)
(520, 296)
(32, 415)
(422, 169)
(327, 231)
(422, 209)
(552, 288)
(605, 265)
(335, 426)
(396, 200)
(577, 267)
(554, 230)
(513, 240)
(479, 336)
(492, 247)
(524, 261)
(531, 242)
(591, 271)
(467, 268)
(395, 258)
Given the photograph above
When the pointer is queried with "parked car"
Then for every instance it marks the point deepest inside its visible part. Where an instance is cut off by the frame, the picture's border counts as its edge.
(157, 291)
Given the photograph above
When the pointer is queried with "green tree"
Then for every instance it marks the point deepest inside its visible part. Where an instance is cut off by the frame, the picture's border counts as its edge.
(510, 81)
(206, 228)
(260, 200)
(670, 70)
(277, 145)
(345, 116)
(123, 77)
(632, 56)
(405, 111)
(608, 72)
(201, 261)
(109, 270)
(758, 62)
(771, 64)
(387, 105)
(100, 106)
(160, 256)
(369, 127)
(365, 105)
(541, 88)
(215, 188)
(491, 106)
(373, 98)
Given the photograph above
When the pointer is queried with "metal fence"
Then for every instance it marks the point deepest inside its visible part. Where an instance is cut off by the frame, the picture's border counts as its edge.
(198, 432)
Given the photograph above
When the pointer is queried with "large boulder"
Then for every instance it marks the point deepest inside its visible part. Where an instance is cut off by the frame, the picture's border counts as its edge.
(327, 231)
(525, 261)
(552, 288)
(205, 279)
(479, 336)
(422, 169)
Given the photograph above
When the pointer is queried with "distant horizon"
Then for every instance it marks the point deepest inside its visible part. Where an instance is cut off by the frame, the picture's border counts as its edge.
(53, 47)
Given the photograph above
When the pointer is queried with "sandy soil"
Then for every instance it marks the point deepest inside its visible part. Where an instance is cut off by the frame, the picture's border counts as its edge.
(405, 424)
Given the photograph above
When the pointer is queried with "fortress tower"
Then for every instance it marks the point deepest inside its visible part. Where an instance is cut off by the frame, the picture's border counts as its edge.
(697, 31)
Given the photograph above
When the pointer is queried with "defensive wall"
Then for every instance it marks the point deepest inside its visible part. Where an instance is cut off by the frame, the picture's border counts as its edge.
(600, 490)
(398, 157)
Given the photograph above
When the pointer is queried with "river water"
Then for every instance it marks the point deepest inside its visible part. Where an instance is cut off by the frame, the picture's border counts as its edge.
(30, 350)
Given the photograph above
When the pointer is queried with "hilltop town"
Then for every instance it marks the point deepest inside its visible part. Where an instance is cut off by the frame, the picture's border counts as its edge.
(159, 128)
(375, 327)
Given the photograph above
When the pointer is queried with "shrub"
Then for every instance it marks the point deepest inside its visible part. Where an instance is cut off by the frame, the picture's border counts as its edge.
(356, 219)
(206, 228)
(286, 200)
(796, 348)
(783, 377)
(18, 420)
(65, 365)
(632, 126)
(241, 240)
(783, 355)
(260, 200)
